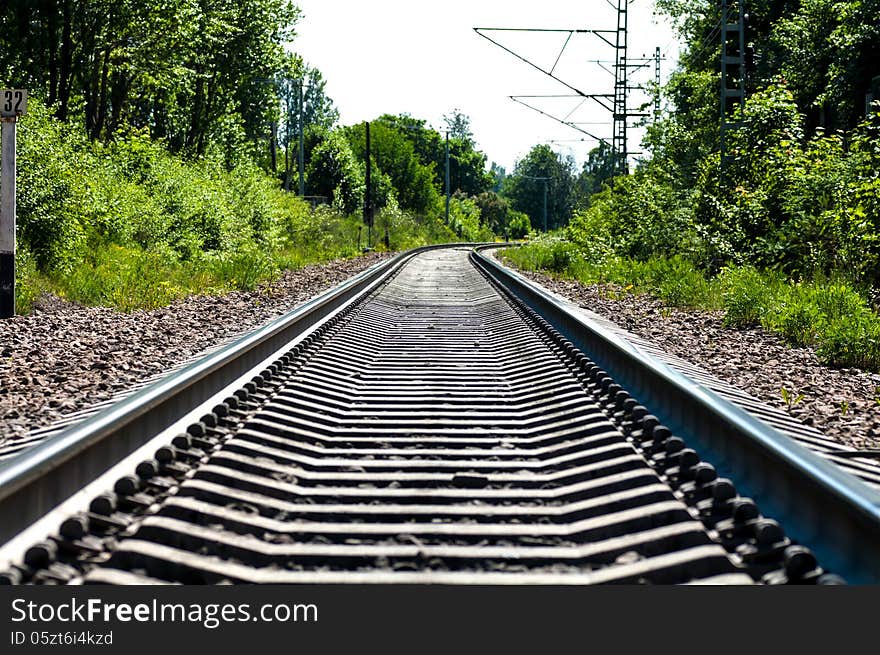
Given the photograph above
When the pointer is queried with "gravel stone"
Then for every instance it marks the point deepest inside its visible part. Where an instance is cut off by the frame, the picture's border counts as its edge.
(843, 403)
(64, 357)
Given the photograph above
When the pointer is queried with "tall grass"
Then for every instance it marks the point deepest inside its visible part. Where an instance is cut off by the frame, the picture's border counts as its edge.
(826, 314)
(674, 280)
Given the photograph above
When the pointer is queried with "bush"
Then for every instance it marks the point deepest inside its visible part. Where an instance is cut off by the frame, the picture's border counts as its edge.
(682, 285)
(548, 253)
(641, 217)
(828, 315)
(746, 295)
(852, 341)
(798, 323)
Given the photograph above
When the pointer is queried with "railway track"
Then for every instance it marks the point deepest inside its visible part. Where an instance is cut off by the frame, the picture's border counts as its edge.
(436, 419)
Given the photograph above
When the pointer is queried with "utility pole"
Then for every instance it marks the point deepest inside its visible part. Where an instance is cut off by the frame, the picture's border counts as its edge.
(287, 139)
(615, 103)
(545, 205)
(302, 151)
(733, 75)
(273, 146)
(657, 84)
(620, 114)
(447, 177)
(368, 198)
(13, 103)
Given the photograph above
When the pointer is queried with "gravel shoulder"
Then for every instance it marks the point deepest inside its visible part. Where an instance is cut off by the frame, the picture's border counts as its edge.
(64, 357)
(842, 403)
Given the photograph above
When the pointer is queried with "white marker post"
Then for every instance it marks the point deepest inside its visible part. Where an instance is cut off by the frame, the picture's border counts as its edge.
(13, 103)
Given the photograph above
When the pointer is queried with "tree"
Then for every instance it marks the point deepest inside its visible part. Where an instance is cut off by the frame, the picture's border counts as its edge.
(497, 214)
(467, 166)
(689, 133)
(301, 91)
(459, 126)
(334, 172)
(189, 70)
(525, 186)
(598, 168)
(395, 156)
(498, 174)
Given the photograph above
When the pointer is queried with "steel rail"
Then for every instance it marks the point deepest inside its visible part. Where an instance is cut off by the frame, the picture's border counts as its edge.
(38, 479)
(822, 506)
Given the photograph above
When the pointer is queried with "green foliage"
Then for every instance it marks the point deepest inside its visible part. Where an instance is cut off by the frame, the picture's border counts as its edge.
(499, 217)
(518, 225)
(333, 172)
(830, 316)
(640, 218)
(598, 169)
(674, 280)
(682, 139)
(192, 73)
(129, 278)
(827, 50)
(465, 220)
(467, 165)
(787, 236)
(805, 206)
(144, 171)
(130, 225)
(747, 295)
(790, 399)
(525, 187)
(394, 155)
(548, 253)
(407, 231)
(679, 284)
(852, 341)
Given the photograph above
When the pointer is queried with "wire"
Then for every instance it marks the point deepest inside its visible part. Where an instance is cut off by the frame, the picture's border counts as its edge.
(709, 39)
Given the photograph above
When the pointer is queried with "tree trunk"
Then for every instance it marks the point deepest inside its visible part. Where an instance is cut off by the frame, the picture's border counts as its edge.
(51, 10)
(65, 66)
(101, 104)
(118, 98)
(195, 116)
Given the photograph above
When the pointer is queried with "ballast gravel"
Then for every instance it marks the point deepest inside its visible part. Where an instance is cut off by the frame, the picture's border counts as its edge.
(843, 403)
(64, 357)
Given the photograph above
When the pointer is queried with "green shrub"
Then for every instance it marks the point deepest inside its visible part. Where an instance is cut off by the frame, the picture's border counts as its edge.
(130, 225)
(641, 217)
(548, 253)
(828, 315)
(28, 282)
(244, 268)
(747, 295)
(681, 285)
(799, 323)
(851, 341)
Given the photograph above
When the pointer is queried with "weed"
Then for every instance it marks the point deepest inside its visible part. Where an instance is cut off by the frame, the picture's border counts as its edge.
(789, 398)
(799, 323)
(746, 295)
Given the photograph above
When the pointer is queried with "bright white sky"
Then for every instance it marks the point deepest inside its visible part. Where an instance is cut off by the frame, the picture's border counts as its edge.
(424, 59)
